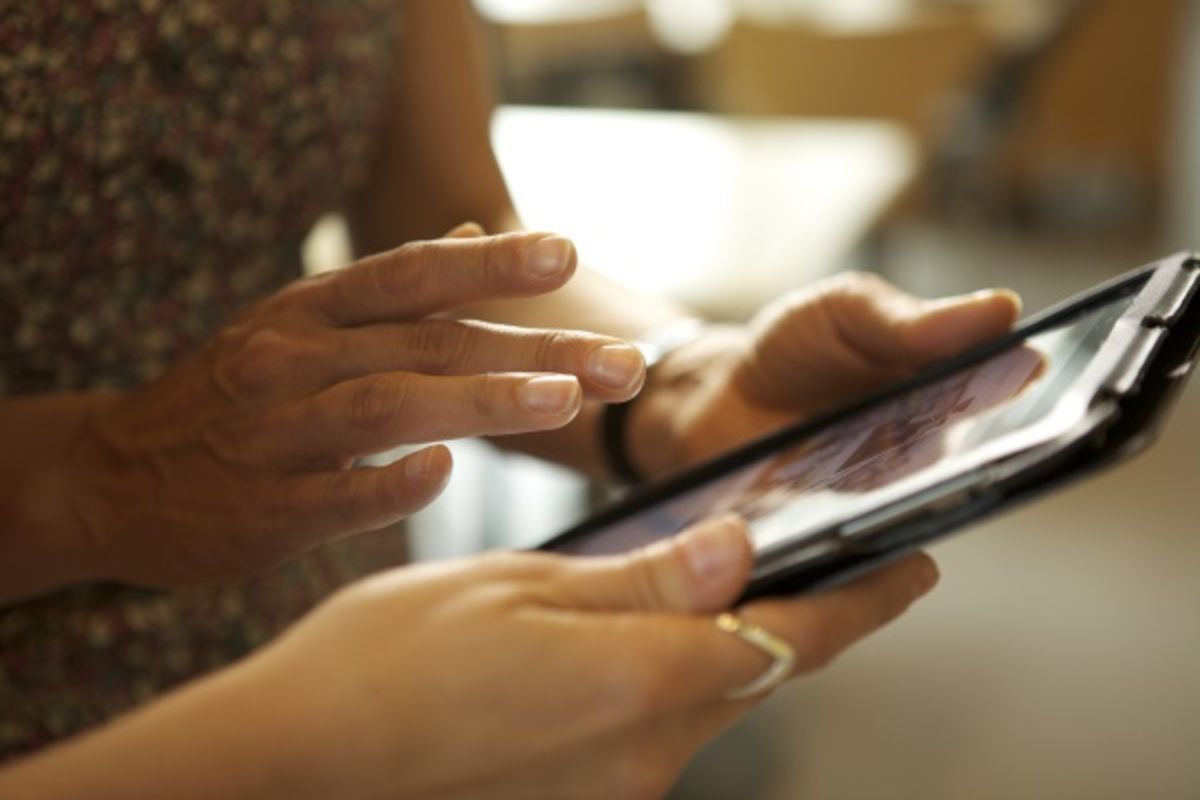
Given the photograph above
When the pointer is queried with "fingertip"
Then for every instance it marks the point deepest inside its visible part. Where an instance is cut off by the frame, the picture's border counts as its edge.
(618, 370)
(1003, 305)
(948, 326)
(926, 575)
(1014, 304)
(908, 580)
(997, 309)
(431, 466)
(719, 555)
(550, 257)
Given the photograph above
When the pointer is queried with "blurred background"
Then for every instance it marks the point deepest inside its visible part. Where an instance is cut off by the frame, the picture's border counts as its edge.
(723, 151)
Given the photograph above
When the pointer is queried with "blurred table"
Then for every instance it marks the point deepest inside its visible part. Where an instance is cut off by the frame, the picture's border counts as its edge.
(720, 213)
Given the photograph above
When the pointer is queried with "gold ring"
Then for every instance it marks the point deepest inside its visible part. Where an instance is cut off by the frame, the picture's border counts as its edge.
(783, 657)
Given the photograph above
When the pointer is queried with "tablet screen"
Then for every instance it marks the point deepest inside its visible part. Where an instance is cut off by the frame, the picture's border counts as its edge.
(855, 466)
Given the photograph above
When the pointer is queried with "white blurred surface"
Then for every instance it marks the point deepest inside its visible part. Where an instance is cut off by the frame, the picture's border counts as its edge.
(681, 15)
(552, 11)
(720, 213)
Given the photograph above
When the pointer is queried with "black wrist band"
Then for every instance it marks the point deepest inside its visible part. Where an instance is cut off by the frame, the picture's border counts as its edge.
(613, 426)
(615, 422)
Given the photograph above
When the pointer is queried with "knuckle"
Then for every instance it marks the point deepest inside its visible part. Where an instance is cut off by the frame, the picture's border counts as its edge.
(496, 259)
(373, 402)
(404, 272)
(232, 337)
(845, 293)
(644, 584)
(490, 395)
(298, 297)
(848, 293)
(439, 346)
(855, 283)
(249, 362)
(549, 348)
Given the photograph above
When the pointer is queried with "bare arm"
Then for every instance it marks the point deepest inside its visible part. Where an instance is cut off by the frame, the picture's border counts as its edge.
(436, 169)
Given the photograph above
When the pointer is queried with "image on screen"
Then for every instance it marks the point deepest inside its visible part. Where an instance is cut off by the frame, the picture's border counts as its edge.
(846, 469)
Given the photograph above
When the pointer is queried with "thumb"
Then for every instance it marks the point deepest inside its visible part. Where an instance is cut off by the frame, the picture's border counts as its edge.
(854, 333)
(945, 327)
(702, 570)
(879, 325)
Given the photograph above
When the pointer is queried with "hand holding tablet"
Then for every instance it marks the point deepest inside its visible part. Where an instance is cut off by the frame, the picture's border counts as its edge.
(1070, 390)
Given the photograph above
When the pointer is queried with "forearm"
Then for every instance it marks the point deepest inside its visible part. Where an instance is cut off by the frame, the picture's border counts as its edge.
(219, 738)
(45, 539)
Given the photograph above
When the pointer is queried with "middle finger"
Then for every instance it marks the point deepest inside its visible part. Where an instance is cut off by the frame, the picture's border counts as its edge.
(608, 369)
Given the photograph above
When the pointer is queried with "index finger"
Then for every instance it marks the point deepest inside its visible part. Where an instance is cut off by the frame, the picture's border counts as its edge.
(423, 278)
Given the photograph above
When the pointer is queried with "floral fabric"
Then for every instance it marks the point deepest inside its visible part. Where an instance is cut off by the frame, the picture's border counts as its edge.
(160, 163)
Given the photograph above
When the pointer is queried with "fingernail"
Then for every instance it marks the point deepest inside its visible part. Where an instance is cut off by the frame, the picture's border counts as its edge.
(714, 550)
(551, 395)
(616, 366)
(550, 256)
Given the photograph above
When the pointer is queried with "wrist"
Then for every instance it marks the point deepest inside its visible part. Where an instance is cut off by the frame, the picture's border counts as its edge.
(48, 523)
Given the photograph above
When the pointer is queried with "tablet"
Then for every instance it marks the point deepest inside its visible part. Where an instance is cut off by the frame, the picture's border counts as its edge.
(1075, 388)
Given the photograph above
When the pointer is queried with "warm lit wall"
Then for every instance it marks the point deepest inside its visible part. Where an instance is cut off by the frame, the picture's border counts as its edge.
(1104, 98)
(898, 74)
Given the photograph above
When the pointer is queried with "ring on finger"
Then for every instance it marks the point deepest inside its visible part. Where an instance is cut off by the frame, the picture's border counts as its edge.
(783, 657)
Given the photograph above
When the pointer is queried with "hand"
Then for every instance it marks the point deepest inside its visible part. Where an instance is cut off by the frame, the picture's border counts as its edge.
(518, 676)
(808, 352)
(527, 676)
(244, 454)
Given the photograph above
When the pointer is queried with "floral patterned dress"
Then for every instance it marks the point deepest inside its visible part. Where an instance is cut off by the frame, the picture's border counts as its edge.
(160, 163)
